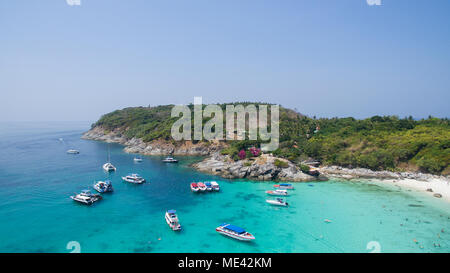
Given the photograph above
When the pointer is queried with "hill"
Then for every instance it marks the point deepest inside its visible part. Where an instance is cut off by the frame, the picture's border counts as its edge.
(377, 143)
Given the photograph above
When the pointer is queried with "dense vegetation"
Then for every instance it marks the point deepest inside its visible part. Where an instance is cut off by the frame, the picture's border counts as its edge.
(376, 143)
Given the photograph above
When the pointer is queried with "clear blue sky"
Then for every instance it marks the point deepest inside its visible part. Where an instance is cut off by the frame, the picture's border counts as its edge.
(323, 57)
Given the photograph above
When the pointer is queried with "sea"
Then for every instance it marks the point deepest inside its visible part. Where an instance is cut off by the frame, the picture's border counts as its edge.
(37, 178)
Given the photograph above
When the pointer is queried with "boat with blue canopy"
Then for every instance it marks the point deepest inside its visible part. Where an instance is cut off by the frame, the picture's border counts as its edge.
(172, 219)
(284, 186)
(234, 232)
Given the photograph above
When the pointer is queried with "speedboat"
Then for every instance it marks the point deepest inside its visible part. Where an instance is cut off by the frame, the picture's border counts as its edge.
(86, 197)
(284, 186)
(278, 192)
(172, 220)
(137, 159)
(201, 186)
(73, 151)
(277, 202)
(208, 186)
(133, 178)
(235, 232)
(103, 186)
(215, 186)
(194, 187)
(170, 160)
(109, 167)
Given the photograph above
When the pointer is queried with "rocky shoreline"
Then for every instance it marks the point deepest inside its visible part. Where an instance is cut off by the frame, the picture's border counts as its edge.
(358, 173)
(159, 147)
(262, 168)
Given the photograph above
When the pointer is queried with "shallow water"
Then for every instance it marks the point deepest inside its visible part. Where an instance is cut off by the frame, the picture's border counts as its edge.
(37, 177)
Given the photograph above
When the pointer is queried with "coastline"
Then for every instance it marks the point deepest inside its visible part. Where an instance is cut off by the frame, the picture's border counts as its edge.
(264, 169)
(432, 185)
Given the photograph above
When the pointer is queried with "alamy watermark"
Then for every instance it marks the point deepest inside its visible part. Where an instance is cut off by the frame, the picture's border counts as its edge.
(373, 2)
(74, 246)
(73, 2)
(238, 119)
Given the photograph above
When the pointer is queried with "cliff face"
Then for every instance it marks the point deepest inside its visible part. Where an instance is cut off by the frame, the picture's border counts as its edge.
(262, 168)
(155, 147)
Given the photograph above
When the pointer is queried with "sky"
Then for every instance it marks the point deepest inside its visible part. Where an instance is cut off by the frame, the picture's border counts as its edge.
(324, 58)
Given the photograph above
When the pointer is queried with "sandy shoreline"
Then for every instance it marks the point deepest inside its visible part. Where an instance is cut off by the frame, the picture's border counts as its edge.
(437, 186)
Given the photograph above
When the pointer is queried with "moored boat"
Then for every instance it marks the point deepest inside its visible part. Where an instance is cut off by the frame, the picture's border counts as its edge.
(133, 178)
(284, 186)
(109, 167)
(137, 159)
(215, 186)
(201, 186)
(86, 197)
(172, 220)
(170, 160)
(194, 187)
(103, 186)
(277, 202)
(235, 232)
(278, 192)
(208, 186)
(73, 151)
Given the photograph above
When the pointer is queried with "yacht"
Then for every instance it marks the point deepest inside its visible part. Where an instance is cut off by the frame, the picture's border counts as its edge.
(201, 186)
(278, 192)
(108, 166)
(133, 178)
(73, 151)
(215, 186)
(194, 187)
(277, 202)
(172, 220)
(284, 186)
(208, 186)
(235, 232)
(86, 197)
(103, 186)
(137, 159)
(170, 160)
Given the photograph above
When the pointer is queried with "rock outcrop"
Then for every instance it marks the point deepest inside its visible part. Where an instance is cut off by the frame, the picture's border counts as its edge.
(346, 173)
(157, 147)
(261, 168)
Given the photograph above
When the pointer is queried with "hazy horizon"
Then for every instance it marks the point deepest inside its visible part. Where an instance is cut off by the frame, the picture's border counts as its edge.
(329, 59)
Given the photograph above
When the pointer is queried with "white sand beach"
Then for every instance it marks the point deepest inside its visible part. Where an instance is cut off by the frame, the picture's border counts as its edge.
(433, 187)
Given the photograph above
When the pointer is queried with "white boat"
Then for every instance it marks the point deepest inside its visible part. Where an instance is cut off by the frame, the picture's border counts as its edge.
(172, 220)
(109, 167)
(235, 232)
(201, 186)
(73, 151)
(278, 192)
(277, 202)
(284, 186)
(103, 186)
(86, 197)
(215, 186)
(133, 178)
(208, 186)
(170, 160)
(137, 159)
(194, 187)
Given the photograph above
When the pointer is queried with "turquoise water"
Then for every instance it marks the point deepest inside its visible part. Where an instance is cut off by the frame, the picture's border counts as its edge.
(37, 177)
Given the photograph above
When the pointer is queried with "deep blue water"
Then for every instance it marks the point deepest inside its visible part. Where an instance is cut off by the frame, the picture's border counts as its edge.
(37, 177)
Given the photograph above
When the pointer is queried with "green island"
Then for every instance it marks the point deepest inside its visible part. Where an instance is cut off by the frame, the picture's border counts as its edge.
(376, 143)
